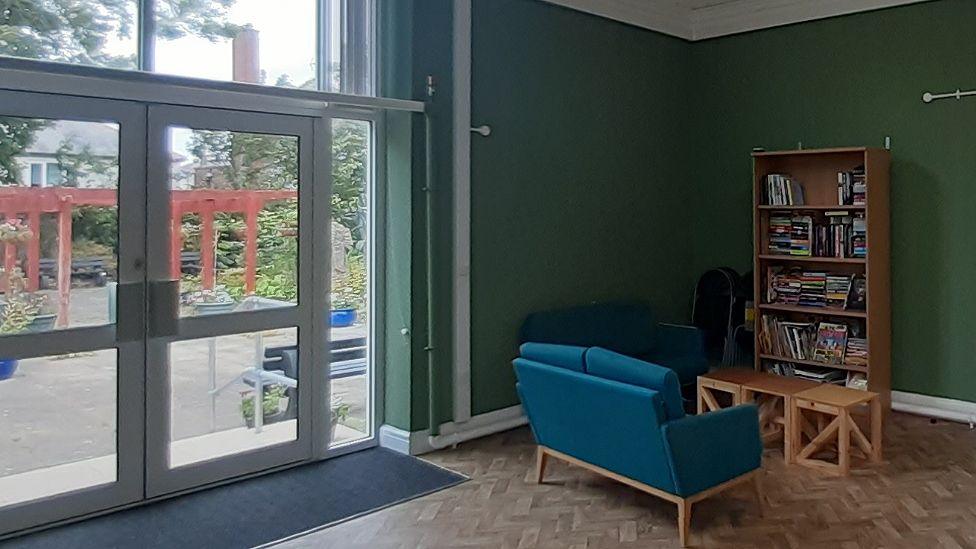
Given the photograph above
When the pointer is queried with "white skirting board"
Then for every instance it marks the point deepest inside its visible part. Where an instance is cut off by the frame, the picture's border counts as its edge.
(481, 425)
(418, 442)
(937, 407)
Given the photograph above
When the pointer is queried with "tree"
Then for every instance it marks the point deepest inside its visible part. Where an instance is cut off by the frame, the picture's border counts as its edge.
(16, 134)
(350, 171)
(76, 31)
(247, 160)
(74, 163)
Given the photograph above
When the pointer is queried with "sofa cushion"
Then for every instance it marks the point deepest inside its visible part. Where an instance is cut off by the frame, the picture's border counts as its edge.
(564, 356)
(626, 328)
(610, 365)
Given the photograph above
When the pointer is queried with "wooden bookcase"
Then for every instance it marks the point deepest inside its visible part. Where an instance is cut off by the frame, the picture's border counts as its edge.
(816, 170)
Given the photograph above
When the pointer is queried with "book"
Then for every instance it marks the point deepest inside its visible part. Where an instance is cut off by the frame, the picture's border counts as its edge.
(857, 381)
(857, 351)
(857, 297)
(831, 343)
(852, 187)
(820, 375)
(782, 190)
(838, 233)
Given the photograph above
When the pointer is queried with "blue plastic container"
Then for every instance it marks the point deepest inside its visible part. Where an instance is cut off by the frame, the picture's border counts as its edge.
(7, 368)
(342, 318)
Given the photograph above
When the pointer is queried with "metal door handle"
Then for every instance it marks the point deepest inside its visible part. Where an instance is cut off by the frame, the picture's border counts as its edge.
(164, 307)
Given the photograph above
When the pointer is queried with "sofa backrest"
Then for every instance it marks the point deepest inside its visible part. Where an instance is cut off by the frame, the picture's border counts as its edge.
(610, 365)
(626, 328)
(610, 424)
(564, 356)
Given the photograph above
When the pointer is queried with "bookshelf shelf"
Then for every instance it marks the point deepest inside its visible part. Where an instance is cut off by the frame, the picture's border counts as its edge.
(810, 208)
(848, 367)
(811, 259)
(822, 311)
(816, 177)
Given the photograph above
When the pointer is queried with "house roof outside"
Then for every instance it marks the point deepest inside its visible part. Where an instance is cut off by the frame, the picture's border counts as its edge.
(102, 138)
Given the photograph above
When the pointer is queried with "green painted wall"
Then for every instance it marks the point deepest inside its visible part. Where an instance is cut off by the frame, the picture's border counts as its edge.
(851, 81)
(416, 41)
(619, 167)
(582, 191)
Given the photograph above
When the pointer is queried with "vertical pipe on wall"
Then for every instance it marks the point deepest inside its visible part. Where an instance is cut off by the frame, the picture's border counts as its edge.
(432, 396)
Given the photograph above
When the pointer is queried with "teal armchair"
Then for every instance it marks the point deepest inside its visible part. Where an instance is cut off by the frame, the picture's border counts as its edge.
(623, 418)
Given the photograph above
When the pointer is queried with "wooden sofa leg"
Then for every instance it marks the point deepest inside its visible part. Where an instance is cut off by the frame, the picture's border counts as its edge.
(684, 521)
(541, 459)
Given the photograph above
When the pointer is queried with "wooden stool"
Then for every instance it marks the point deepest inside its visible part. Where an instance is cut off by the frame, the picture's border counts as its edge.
(727, 380)
(775, 411)
(832, 400)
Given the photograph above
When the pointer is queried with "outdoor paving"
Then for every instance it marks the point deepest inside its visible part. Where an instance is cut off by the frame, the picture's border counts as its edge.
(57, 410)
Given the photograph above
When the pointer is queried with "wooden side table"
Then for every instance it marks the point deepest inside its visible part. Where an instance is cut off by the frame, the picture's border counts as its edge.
(839, 402)
(775, 411)
(727, 380)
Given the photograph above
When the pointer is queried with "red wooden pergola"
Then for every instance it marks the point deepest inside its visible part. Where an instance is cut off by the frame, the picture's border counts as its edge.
(31, 202)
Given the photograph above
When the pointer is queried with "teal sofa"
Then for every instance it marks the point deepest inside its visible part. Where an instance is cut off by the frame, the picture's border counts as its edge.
(623, 418)
(628, 328)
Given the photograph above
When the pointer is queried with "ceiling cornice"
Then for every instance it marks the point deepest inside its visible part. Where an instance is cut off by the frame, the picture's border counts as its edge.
(677, 18)
(664, 17)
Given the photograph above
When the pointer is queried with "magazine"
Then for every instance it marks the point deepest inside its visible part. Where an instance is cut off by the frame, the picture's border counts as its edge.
(831, 343)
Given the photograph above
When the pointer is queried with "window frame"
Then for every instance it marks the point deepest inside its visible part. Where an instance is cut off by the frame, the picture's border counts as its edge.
(145, 29)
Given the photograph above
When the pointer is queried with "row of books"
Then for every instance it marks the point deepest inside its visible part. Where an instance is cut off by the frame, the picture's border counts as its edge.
(852, 187)
(812, 288)
(857, 351)
(854, 380)
(826, 342)
(839, 235)
(782, 190)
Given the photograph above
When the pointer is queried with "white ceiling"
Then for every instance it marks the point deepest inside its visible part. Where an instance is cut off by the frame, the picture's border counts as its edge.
(701, 19)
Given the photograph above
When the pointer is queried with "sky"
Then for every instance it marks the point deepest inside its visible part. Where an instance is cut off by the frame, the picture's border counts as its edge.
(286, 36)
(287, 33)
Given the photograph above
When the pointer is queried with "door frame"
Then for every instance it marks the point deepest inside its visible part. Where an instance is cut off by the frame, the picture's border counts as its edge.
(125, 337)
(60, 89)
(160, 478)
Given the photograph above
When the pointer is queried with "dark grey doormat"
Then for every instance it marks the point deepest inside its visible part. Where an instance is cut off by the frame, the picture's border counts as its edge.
(258, 510)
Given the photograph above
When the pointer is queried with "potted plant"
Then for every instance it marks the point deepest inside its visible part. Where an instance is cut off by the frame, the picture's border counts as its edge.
(14, 231)
(272, 405)
(45, 316)
(340, 413)
(16, 315)
(343, 313)
(208, 302)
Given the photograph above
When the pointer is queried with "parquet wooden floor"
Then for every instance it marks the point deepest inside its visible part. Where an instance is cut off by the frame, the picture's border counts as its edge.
(923, 496)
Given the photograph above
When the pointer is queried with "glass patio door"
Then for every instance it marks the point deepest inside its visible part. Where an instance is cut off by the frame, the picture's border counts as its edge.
(232, 296)
(72, 237)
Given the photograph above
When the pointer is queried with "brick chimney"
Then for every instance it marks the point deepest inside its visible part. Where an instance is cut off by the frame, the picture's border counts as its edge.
(247, 63)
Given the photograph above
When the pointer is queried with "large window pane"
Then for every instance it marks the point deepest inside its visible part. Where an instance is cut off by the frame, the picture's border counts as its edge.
(348, 37)
(58, 418)
(254, 41)
(218, 383)
(59, 184)
(85, 32)
(234, 230)
(351, 281)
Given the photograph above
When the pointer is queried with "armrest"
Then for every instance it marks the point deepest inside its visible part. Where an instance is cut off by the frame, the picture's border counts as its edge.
(677, 339)
(709, 449)
(681, 348)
